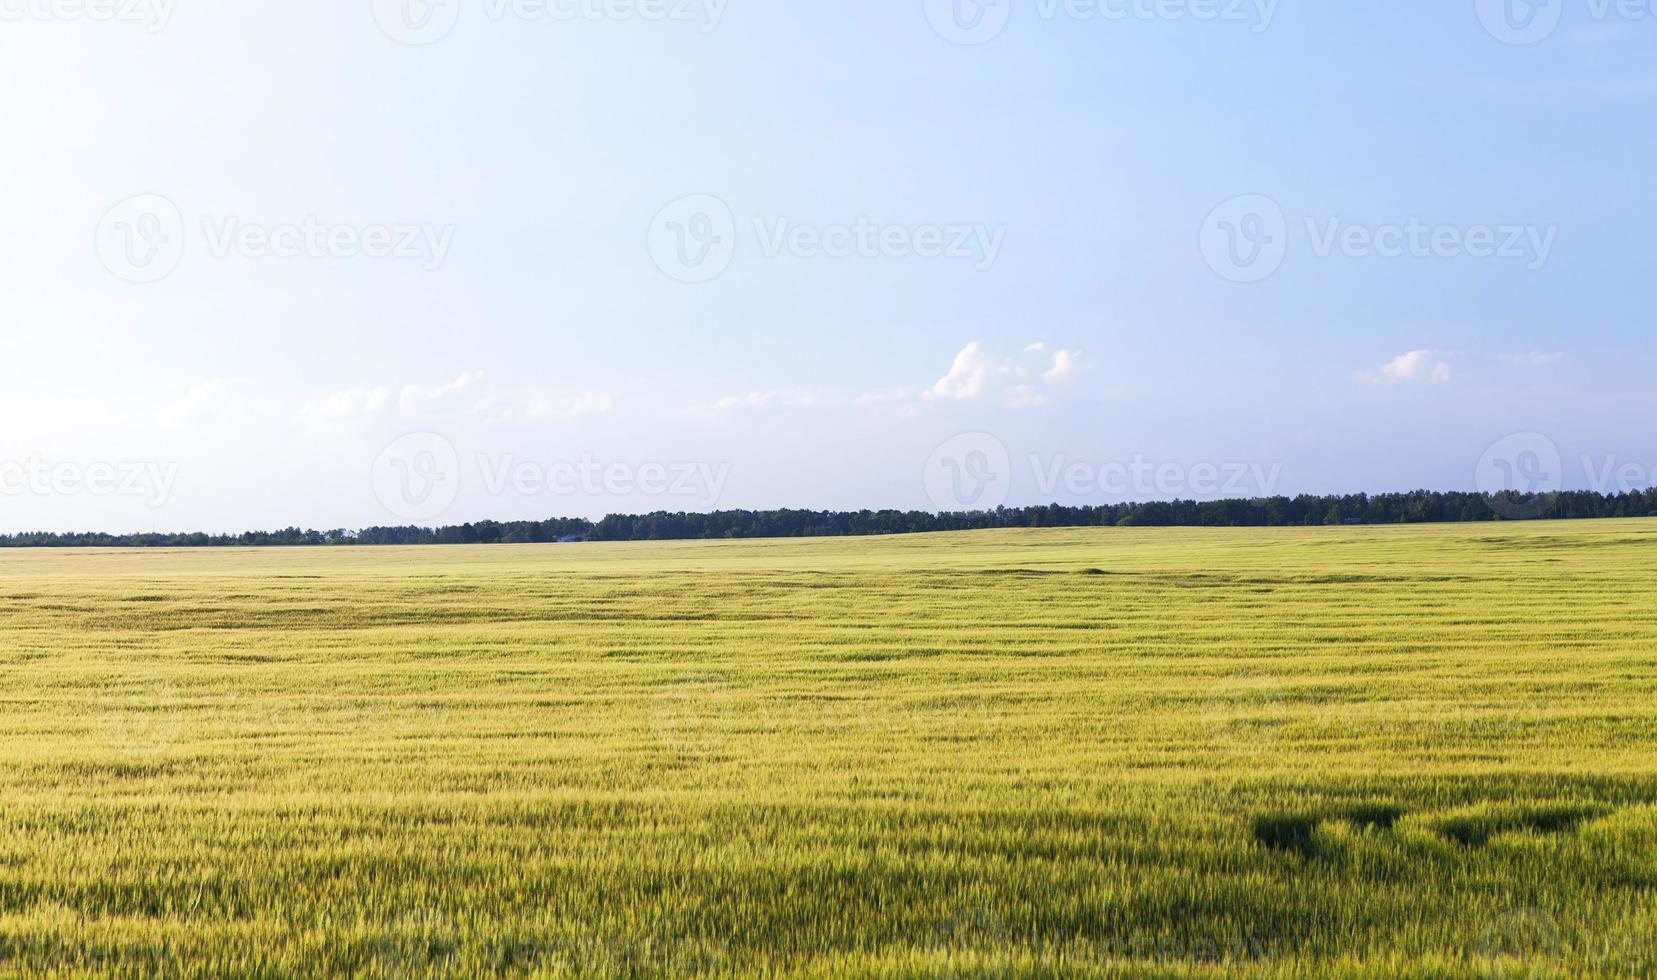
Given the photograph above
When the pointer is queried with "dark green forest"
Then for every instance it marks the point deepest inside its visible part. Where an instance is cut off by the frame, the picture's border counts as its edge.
(1418, 507)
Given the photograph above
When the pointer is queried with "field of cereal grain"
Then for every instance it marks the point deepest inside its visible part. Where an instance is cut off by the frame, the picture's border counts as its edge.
(1424, 751)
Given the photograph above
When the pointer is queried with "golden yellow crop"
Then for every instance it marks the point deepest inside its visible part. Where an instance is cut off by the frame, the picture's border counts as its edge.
(1416, 751)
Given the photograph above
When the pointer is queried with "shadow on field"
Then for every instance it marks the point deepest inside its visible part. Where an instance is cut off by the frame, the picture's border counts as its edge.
(1298, 833)
(1476, 829)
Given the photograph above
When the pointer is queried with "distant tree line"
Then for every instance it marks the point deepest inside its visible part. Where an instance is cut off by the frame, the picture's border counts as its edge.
(1418, 507)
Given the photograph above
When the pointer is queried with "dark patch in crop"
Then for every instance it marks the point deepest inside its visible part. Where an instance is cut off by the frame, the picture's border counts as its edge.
(1289, 834)
(1553, 543)
(1476, 830)
(1094, 571)
(1297, 833)
(1373, 816)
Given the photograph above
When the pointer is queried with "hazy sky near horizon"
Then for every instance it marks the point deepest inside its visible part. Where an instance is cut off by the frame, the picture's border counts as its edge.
(346, 263)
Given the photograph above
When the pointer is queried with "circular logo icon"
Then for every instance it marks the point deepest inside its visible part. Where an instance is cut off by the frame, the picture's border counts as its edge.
(423, 943)
(141, 239)
(972, 471)
(416, 22)
(971, 930)
(1521, 476)
(1520, 21)
(417, 478)
(144, 719)
(693, 239)
(1243, 714)
(1527, 935)
(1245, 239)
(969, 22)
(685, 714)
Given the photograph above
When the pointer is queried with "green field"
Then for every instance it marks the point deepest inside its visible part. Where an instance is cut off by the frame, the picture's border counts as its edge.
(1412, 751)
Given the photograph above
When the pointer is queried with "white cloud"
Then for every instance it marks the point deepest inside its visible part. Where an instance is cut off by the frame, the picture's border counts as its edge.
(976, 373)
(1439, 367)
(970, 374)
(543, 404)
(412, 397)
(1067, 365)
(1023, 396)
(194, 401)
(349, 402)
(778, 398)
(1413, 367)
(411, 400)
(1533, 358)
(892, 396)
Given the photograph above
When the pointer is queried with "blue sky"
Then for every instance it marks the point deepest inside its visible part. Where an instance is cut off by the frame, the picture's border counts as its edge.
(479, 241)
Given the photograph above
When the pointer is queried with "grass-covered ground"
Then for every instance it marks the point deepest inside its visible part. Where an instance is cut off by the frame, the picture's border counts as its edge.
(1424, 751)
